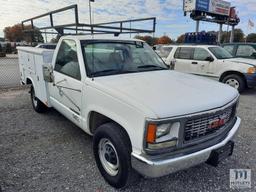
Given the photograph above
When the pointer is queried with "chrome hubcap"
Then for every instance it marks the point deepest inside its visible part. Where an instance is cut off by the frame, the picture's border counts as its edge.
(108, 157)
(233, 83)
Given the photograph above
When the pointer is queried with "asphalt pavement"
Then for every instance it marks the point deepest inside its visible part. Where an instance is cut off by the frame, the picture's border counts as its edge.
(46, 152)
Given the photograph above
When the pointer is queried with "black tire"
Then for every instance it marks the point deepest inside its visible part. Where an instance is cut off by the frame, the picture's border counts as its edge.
(38, 106)
(237, 80)
(115, 134)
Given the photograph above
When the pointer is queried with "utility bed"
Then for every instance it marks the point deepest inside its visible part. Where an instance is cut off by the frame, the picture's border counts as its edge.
(31, 62)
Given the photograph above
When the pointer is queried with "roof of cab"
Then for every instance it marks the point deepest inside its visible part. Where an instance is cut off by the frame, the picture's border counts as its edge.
(190, 45)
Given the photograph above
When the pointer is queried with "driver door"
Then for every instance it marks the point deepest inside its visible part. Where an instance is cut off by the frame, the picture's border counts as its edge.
(66, 91)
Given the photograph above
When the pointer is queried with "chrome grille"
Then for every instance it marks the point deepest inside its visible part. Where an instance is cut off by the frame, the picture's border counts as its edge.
(206, 125)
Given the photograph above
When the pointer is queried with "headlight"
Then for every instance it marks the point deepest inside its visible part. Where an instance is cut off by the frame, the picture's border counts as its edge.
(251, 70)
(162, 135)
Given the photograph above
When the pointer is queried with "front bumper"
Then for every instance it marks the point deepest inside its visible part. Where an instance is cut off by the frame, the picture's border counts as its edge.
(251, 79)
(158, 168)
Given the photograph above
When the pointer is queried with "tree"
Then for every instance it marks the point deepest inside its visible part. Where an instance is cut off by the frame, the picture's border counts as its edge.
(150, 40)
(238, 36)
(251, 38)
(164, 40)
(16, 34)
(181, 39)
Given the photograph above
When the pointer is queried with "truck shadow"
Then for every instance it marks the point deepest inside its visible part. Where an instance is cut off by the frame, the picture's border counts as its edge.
(250, 91)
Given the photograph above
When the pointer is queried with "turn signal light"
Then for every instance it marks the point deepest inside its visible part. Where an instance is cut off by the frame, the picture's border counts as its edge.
(151, 133)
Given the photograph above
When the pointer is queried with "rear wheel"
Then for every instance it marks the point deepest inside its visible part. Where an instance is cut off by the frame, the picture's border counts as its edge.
(36, 103)
(112, 152)
(235, 81)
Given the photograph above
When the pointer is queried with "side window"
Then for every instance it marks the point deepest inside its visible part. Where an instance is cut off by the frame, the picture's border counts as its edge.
(229, 48)
(245, 51)
(165, 51)
(67, 61)
(184, 53)
(201, 54)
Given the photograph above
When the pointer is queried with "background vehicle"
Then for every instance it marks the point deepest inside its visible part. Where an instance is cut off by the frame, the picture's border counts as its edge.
(2, 49)
(244, 50)
(47, 46)
(213, 62)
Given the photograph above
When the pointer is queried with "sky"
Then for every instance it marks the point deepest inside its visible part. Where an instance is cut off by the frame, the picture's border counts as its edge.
(169, 13)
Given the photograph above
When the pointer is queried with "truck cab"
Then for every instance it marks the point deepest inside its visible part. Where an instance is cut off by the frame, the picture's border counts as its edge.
(144, 117)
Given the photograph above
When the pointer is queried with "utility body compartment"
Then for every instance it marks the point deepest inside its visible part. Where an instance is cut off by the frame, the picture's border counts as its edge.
(31, 63)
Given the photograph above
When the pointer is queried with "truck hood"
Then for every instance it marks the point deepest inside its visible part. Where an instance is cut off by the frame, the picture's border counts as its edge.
(168, 93)
(251, 62)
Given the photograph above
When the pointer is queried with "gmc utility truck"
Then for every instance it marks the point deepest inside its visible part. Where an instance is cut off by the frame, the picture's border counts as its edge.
(144, 117)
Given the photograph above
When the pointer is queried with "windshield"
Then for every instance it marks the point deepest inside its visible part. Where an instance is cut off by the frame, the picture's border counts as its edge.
(111, 58)
(220, 53)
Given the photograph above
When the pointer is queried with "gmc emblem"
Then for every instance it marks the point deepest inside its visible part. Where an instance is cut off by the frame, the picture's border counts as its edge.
(216, 123)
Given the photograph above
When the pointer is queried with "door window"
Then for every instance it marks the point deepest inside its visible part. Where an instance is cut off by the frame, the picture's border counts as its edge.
(245, 51)
(67, 60)
(165, 51)
(201, 54)
(184, 53)
(229, 48)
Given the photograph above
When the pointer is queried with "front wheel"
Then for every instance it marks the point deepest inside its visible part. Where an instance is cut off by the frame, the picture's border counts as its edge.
(38, 106)
(112, 152)
(235, 81)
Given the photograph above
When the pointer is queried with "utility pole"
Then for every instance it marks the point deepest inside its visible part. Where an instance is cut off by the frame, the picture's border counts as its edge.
(197, 25)
(232, 34)
(90, 10)
(220, 33)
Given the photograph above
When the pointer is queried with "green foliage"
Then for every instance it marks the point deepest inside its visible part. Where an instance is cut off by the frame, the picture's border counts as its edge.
(251, 38)
(238, 36)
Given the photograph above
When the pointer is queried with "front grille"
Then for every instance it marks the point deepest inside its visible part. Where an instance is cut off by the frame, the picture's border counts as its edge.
(206, 125)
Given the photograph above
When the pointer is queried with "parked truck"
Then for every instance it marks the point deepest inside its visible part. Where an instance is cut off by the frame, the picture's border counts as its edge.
(144, 118)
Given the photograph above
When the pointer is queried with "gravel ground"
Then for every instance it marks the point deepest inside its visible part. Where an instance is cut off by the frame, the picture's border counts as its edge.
(45, 152)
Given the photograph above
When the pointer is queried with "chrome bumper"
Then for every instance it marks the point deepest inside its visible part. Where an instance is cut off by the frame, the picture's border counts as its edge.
(163, 167)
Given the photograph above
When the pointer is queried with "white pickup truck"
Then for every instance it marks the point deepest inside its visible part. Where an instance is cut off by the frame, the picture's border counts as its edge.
(144, 118)
(213, 62)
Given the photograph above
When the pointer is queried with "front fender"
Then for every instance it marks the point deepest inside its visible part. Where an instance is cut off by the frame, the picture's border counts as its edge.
(131, 119)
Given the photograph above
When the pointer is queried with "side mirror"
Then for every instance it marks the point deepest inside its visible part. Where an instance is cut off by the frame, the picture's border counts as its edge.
(48, 73)
(254, 55)
(210, 59)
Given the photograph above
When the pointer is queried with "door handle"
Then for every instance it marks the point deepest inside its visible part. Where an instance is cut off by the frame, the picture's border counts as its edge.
(194, 63)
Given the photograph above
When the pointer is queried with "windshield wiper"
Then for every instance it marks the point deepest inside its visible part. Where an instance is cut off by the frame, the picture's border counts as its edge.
(150, 66)
(104, 71)
(111, 71)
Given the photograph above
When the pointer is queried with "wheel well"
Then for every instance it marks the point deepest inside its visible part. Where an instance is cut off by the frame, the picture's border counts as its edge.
(97, 119)
(28, 81)
(231, 73)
